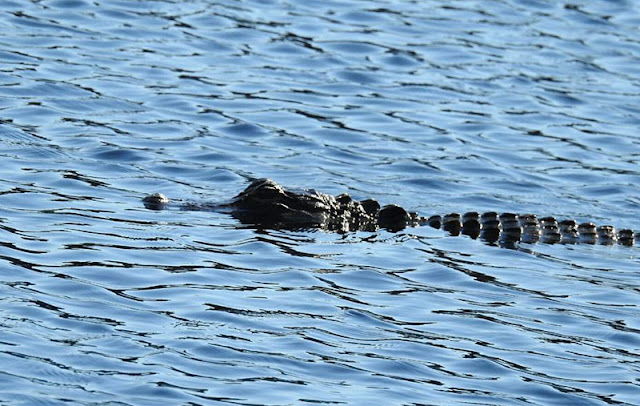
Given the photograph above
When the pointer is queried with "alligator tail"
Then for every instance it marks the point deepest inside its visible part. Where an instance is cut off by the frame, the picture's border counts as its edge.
(511, 228)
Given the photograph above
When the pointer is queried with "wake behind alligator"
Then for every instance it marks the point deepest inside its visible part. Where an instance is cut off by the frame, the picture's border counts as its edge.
(264, 203)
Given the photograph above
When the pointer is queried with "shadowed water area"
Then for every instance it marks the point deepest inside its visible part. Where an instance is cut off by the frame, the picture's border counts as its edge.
(517, 106)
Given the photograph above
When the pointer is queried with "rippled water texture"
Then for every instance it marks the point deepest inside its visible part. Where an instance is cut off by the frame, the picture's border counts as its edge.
(439, 106)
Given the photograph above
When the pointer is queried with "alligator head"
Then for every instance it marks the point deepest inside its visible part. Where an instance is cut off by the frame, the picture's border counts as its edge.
(267, 203)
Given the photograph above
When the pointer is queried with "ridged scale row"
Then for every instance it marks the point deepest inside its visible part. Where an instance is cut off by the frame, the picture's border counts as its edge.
(510, 228)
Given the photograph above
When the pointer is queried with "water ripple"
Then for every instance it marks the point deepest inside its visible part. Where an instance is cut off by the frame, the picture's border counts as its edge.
(520, 106)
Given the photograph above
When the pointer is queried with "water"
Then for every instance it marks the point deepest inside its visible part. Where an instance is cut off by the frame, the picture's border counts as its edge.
(439, 106)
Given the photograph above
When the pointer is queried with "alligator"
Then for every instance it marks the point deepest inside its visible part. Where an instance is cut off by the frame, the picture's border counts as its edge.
(266, 204)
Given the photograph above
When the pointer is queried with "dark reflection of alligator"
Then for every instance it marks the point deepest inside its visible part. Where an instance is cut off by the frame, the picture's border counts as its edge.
(266, 204)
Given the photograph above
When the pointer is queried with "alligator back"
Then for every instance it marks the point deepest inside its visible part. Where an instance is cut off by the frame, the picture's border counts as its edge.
(264, 203)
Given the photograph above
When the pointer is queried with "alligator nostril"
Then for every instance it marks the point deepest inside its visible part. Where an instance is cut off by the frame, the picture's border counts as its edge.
(156, 201)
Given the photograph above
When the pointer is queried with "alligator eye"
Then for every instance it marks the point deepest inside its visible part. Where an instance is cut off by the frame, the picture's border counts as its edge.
(343, 198)
(267, 192)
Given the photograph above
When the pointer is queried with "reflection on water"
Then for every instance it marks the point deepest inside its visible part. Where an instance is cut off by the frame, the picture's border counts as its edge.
(436, 106)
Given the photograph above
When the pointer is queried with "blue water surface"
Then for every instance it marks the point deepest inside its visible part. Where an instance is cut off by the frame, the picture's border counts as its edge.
(438, 106)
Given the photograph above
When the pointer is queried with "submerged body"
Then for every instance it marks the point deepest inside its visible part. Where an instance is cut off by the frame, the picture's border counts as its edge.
(266, 204)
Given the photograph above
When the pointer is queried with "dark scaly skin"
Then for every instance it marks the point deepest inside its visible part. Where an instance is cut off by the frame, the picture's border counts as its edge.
(510, 228)
(264, 203)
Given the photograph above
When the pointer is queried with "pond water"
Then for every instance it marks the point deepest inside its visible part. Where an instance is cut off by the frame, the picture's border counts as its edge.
(438, 106)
